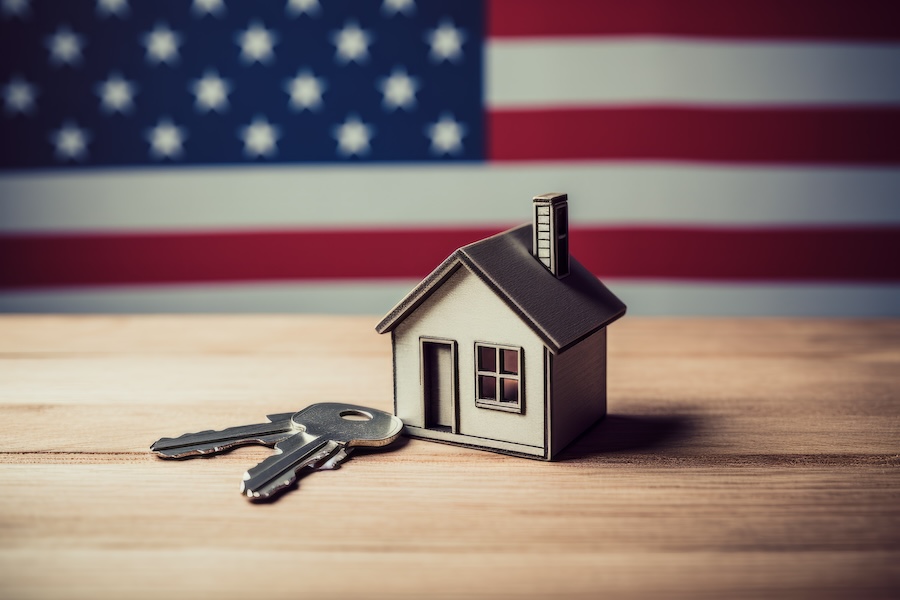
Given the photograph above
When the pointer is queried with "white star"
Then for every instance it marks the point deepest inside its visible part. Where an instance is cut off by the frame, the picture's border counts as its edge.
(295, 8)
(446, 42)
(260, 138)
(353, 137)
(352, 43)
(162, 45)
(211, 92)
(446, 135)
(392, 7)
(215, 8)
(399, 90)
(305, 90)
(166, 140)
(71, 141)
(256, 43)
(116, 94)
(106, 8)
(15, 8)
(65, 47)
(19, 96)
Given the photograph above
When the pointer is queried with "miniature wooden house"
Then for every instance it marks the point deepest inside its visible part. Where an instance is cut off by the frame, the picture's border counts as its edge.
(503, 346)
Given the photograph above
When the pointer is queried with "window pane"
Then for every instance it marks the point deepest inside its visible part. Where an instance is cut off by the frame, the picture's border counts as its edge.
(487, 387)
(510, 391)
(509, 362)
(487, 359)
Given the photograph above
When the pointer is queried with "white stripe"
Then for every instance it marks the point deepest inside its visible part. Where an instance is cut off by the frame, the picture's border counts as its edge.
(584, 72)
(807, 300)
(343, 197)
(750, 299)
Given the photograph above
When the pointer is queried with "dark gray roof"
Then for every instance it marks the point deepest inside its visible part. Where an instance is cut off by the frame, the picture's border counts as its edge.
(561, 311)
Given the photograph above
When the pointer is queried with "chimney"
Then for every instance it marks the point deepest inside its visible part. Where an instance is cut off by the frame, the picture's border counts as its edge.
(550, 235)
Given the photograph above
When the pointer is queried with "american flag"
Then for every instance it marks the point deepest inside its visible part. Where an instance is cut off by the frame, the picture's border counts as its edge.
(305, 155)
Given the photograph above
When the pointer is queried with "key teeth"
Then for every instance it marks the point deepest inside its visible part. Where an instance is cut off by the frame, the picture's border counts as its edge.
(162, 445)
(187, 451)
(182, 452)
(334, 461)
(171, 448)
(269, 490)
(164, 449)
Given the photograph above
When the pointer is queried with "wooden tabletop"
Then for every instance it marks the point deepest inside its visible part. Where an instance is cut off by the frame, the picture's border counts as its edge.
(741, 458)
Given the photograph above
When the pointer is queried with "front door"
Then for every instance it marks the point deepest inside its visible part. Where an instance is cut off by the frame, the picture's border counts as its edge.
(439, 384)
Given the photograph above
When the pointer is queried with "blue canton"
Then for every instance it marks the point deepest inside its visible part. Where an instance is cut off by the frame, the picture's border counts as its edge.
(128, 82)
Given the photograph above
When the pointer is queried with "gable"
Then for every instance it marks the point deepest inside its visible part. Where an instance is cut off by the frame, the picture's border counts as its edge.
(464, 308)
(560, 311)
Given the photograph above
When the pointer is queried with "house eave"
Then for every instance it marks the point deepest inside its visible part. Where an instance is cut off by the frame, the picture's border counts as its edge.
(419, 294)
(552, 343)
(561, 312)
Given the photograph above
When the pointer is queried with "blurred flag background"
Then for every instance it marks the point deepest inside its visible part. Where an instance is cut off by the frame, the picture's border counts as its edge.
(721, 158)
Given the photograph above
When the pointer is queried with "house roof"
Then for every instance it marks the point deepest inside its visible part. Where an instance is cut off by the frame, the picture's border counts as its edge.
(561, 311)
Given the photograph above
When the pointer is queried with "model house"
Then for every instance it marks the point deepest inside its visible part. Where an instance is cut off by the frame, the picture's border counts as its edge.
(503, 346)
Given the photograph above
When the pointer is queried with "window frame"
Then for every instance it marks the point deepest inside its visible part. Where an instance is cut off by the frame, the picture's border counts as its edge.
(497, 404)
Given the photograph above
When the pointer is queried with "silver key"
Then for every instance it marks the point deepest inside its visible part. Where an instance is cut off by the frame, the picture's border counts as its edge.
(335, 461)
(328, 429)
(320, 436)
(278, 428)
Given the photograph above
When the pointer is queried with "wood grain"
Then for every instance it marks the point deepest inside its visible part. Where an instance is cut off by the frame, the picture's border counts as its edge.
(741, 458)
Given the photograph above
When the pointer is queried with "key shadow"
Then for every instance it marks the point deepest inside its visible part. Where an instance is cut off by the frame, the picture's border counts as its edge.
(632, 433)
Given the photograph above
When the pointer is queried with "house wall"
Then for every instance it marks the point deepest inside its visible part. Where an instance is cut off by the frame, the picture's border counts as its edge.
(578, 390)
(466, 310)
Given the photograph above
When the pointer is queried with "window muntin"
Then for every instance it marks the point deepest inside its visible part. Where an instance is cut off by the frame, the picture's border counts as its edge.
(498, 377)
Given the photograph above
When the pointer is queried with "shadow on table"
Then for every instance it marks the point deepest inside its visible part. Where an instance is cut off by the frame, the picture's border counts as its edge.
(632, 433)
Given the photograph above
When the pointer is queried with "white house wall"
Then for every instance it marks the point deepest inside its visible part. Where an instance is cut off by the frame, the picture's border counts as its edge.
(464, 309)
(578, 397)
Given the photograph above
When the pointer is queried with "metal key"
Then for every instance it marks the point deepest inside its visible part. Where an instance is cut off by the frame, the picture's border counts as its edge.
(278, 428)
(328, 429)
(320, 436)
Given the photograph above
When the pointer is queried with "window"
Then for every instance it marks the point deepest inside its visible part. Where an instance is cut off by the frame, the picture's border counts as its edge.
(498, 377)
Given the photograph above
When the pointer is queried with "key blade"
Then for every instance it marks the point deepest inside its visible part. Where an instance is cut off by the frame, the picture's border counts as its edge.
(211, 442)
(334, 461)
(279, 471)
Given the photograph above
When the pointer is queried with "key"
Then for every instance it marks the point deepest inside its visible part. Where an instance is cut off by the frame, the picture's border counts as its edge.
(326, 430)
(278, 428)
(320, 437)
(335, 461)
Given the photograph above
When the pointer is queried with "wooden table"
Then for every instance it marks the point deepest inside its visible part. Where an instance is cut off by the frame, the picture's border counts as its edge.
(740, 458)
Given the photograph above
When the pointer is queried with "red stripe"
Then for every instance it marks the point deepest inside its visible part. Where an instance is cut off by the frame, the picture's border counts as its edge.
(635, 252)
(836, 254)
(224, 256)
(805, 19)
(745, 135)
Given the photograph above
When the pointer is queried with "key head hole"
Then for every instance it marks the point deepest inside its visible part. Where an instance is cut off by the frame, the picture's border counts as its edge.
(355, 415)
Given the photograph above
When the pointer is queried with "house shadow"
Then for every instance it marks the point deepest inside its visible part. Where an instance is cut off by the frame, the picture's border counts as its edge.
(632, 434)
